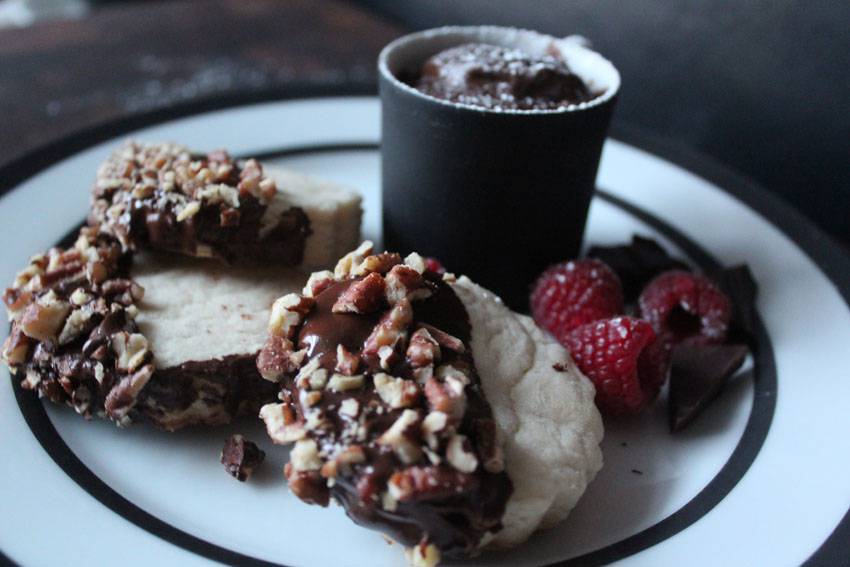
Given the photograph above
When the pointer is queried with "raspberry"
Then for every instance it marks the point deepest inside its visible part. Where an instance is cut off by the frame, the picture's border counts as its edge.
(434, 265)
(571, 294)
(623, 360)
(686, 307)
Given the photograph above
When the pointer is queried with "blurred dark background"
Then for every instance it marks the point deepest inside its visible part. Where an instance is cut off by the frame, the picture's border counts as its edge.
(762, 86)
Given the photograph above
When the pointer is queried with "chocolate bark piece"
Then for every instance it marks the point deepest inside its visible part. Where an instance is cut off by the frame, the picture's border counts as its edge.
(403, 438)
(637, 263)
(698, 374)
(241, 457)
(163, 197)
(738, 283)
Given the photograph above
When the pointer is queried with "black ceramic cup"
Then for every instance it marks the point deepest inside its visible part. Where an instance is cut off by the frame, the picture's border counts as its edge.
(495, 194)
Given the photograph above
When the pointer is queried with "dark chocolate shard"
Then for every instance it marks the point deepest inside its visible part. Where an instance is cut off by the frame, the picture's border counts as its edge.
(738, 283)
(241, 457)
(698, 374)
(637, 263)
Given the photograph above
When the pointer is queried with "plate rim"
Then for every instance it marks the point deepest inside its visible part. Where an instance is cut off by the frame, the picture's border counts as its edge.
(821, 248)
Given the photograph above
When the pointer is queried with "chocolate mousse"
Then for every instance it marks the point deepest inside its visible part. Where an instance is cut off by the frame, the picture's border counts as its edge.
(500, 78)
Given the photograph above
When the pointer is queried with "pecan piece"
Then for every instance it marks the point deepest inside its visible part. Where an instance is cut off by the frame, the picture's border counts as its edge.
(122, 398)
(361, 297)
(278, 358)
(281, 423)
(43, 319)
(391, 329)
(404, 282)
(423, 554)
(16, 347)
(131, 350)
(423, 350)
(423, 483)
(396, 392)
(351, 260)
(309, 486)
(444, 339)
(378, 263)
(287, 313)
(318, 282)
(346, 362)
(444, 398)
(399, 437)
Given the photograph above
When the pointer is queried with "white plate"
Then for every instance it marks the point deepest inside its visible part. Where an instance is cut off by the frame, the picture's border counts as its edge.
(761, 478)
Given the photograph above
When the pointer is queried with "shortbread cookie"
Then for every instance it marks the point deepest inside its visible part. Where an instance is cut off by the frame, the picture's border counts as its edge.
(544, 408)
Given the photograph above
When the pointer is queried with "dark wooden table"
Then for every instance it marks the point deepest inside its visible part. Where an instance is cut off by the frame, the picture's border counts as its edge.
(127, 59)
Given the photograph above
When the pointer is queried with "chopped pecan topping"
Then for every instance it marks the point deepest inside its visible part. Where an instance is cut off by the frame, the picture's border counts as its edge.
(287, 313)
(342, 383)
(444, 339)
(376, 263)
(396, 392)
(428, 483)
(281, 423)
(16, 347)
(423, 555)
(434, 424)
(404, 282)
(131, 350)
(391, 329)
(122, 397)
(350, 261)
(416, 262)
(44, 318)
(309, 486)
(73, 337)
(362, 297)
(423, 350)
(278, 358)
(347, 363)
(445, 398)
(164, 197)
(318, 282)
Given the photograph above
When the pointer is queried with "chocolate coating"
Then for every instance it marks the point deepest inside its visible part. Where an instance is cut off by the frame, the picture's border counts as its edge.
(500, 78)
(455, 516)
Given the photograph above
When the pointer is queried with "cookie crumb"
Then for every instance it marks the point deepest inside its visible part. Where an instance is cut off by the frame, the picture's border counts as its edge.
(241, 457)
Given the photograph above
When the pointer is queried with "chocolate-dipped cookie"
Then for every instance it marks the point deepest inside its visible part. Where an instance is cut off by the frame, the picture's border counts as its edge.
(382, 397)
(120, 330)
